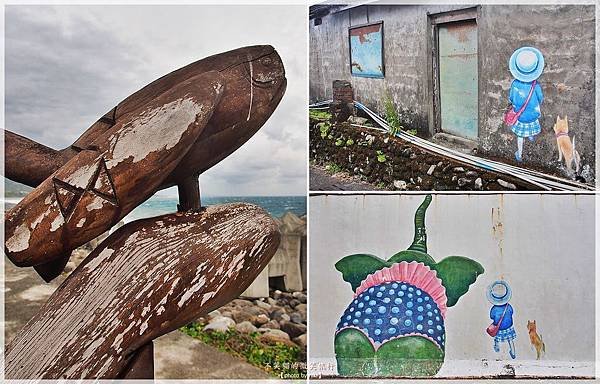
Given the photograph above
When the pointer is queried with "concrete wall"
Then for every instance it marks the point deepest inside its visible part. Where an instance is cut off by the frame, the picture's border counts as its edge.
(289, 262)
(565, 35)
(405, 57)
(543, 245)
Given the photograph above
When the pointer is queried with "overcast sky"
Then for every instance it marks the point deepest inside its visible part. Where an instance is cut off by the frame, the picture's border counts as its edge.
(68, 65)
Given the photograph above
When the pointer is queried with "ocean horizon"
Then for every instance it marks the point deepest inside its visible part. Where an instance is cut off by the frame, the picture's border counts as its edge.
(277, 206)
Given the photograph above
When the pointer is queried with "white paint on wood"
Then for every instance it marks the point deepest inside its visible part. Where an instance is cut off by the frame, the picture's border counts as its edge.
(105, 254)
(97, 203)
(57, 222)
(251, 87)
(158, 129)
(40, 218)
(82, 176)
(19, 241)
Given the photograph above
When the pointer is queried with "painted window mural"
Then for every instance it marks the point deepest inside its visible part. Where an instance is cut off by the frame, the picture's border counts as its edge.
(366, 50)
(395, 324)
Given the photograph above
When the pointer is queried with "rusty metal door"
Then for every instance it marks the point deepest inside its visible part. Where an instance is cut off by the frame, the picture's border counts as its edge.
(457, 47)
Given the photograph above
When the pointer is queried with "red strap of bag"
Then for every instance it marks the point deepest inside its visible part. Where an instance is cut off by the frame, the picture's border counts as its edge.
(493, 329)
(503, 313)
(527, 100)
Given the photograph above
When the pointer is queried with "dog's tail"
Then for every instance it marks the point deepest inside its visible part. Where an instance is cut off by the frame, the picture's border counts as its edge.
(576, 158)
(543, 344)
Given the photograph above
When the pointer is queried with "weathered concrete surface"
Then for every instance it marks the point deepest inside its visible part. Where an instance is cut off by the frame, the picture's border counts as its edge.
(564, 34)
(320, 180)
(405, 56)
(289, 262)
(178, 356)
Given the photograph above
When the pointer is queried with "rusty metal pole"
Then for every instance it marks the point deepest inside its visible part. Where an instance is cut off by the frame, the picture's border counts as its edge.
(189, 194)
(141, 366)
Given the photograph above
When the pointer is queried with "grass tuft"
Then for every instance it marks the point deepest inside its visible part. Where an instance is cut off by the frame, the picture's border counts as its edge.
(279, 359)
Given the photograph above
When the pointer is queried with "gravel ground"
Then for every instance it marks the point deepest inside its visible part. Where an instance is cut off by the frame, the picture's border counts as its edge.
(320, 180)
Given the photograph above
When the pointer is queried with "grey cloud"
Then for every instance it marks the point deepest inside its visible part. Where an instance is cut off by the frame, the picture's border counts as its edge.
(58, 83)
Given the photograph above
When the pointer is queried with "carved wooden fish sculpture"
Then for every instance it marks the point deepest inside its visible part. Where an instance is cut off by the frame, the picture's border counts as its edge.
(146, 279)
(165, 134)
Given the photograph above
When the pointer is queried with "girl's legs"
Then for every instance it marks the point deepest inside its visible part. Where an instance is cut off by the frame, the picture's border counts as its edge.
(512, 351)
(496, 345)
(519, 153)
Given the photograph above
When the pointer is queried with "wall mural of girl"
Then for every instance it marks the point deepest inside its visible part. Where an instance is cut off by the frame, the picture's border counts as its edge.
(526, 64)
(501, 313)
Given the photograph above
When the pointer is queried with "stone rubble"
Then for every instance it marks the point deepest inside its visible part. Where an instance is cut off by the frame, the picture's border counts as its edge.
(279, 318)
(394, 164)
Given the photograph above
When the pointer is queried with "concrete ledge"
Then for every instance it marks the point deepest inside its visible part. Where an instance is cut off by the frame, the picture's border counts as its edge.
(179, 356)
(455, 142)
(485, 369)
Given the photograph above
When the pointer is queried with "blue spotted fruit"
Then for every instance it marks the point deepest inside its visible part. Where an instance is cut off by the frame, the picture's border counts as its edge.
(394, 326)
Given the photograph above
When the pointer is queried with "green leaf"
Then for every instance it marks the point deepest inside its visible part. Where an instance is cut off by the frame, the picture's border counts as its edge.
(412, 255)
(457, 274)
(356, 268)
(404, 357)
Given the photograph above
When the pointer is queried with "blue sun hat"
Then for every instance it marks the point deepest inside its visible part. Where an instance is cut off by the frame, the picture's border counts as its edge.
(499, 292)
(526, 64)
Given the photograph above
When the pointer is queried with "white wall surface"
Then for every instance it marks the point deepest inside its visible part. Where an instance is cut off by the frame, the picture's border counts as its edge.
(543, 245)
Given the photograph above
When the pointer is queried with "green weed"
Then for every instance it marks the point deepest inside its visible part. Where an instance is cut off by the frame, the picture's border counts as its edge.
(280, 360)
(391, 116)
(319, 115)
(333, 168)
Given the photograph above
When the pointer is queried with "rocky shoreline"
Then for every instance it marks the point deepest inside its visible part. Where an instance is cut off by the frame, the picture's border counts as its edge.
(280, 318)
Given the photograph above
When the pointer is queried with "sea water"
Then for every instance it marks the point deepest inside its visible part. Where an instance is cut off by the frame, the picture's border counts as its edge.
(277, 206)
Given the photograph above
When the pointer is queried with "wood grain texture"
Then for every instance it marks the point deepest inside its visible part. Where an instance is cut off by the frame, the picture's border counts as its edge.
(29, 162)
(100, 185)
(148, 278)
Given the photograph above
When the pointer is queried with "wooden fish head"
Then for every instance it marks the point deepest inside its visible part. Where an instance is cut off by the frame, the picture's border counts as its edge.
(255, 83)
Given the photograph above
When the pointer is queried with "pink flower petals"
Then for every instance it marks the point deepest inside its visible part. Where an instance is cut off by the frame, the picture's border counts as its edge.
(415, 273)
